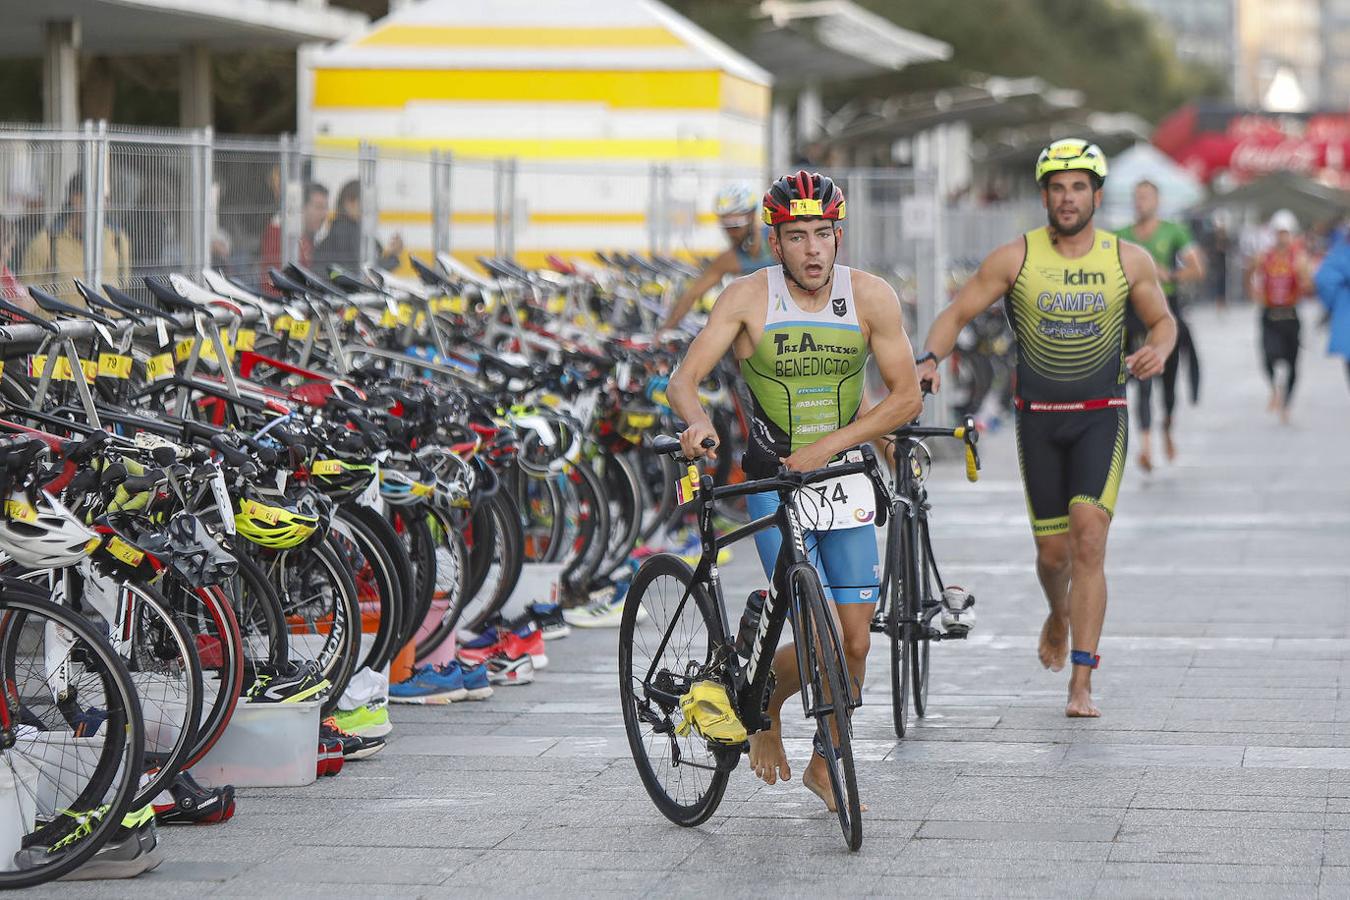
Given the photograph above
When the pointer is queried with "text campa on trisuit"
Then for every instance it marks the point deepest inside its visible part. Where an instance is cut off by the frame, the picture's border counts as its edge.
(838, 503)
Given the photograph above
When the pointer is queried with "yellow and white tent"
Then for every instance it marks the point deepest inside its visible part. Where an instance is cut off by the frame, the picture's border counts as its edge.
(586, 96)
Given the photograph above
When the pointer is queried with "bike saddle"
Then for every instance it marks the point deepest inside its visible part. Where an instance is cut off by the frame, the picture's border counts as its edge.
(50, 304)
(94, 298)
(164, 292)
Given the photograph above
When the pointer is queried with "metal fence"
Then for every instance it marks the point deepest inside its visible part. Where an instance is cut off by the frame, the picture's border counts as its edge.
(164, 201)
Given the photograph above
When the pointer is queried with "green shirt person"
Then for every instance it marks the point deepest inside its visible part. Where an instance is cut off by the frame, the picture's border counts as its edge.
(1179, 262)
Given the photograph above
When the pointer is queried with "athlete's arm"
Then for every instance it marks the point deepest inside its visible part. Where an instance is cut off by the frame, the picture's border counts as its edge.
(990, 282)
(878, 313)
(712, 343)
(1151, 306)
(1192, 268)
(724, 265)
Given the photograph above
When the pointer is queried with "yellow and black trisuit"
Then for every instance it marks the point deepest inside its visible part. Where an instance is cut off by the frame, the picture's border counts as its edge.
(1072, 423)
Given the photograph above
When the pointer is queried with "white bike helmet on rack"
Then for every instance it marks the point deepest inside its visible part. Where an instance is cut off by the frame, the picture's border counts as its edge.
(42, 536)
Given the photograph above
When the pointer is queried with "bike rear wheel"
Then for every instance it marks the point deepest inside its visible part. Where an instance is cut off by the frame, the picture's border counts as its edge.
(827, 694)
(683, 775)
(71, 734)
(896, 629)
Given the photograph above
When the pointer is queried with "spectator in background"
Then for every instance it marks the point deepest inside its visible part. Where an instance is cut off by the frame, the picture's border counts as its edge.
(313, 213)
(341, 247)
(1279, 278)
(55, 256)
(1333, 288)
(1179, 261)
(10, 288)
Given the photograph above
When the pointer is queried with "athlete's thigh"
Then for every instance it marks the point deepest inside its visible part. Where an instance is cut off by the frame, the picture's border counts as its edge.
(1097, 457)
(850, 564)
(1045, 475)
(767, 540)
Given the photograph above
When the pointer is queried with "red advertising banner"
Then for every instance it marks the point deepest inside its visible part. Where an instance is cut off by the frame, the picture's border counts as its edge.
(1244, 145)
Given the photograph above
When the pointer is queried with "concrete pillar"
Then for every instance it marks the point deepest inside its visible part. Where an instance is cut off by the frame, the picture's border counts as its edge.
(61, 74)
(810, 114)
(194, 87)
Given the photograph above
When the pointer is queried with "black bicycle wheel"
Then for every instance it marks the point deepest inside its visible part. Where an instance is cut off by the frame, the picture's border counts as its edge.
(379, 585)
(258, 609)
(919, 641)
(896, 632)
(71, 734)
(412, 528)
(318, 599)
(677, 640)
(827, 695)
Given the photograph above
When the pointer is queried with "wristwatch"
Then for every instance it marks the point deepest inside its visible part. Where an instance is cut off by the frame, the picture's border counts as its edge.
(926, 357)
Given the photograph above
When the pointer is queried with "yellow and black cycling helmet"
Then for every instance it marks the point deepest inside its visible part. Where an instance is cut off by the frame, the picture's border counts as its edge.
(340, 479)
(1071, 155)
(271, 525)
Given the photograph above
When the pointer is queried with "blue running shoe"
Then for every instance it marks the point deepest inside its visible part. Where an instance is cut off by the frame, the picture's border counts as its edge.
(425, 686)
(451, 677)
(487, 638)
(476, 684)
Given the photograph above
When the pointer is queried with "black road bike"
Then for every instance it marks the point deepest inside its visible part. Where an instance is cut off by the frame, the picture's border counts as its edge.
(911, 584)
(675, 634)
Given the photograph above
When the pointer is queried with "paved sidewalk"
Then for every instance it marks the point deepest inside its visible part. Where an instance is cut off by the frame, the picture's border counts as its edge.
(1221, 766)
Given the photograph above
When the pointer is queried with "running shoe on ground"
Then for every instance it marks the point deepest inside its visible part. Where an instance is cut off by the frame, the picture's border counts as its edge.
(528, 641)
(354, 746)
(477, 684)
(87, 723)
(549, 618)
(958, 610)
(605, 612)
(330, 756)
(504, 670)
(473, 656)
(485, 638)
(426, 686)
(690, 549)
(186, 802)
(365, 721)
(290, 682)
(132, 850)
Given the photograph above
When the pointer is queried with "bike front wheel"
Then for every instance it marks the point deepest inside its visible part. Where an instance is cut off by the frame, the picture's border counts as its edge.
(828, 697)
(669, 636)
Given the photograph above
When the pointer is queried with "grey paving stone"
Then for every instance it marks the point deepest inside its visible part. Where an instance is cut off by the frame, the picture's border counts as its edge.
(1297, 757)
(1024, 831)
(1155, 754)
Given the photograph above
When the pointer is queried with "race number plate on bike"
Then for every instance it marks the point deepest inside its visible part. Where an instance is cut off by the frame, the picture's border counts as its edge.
(838, 503)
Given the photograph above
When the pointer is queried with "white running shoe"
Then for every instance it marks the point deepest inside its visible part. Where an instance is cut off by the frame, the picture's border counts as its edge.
(606, 612)
(504, 670)
(958, 610)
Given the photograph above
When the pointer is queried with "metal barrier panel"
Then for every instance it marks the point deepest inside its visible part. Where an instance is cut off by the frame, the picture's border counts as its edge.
(248, 193)
(45, 213)
(574, 210)
(333, 197)
(472, 209)
(691, 229)
(400, 217)
(156, 198)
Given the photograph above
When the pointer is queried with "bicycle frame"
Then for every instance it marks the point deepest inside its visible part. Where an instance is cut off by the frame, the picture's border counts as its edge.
(750, 682)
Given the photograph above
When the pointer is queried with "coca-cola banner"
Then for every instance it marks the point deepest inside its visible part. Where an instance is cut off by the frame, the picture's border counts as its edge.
(1240, 145)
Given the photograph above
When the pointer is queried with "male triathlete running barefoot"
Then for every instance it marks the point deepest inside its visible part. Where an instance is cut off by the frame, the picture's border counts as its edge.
(803, 331)
(1067, 287)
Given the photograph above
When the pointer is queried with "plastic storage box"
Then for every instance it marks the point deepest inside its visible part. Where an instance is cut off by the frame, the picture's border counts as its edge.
(13, 824)
(265, 745)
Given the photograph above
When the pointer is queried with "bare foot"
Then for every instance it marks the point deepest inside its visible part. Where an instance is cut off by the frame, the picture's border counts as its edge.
(1054, 648)
(1169, 446)
(1274, 403)
(1145, 462)
(818, 783)
(1080, 704)
(1284, 415)
(768, 759)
